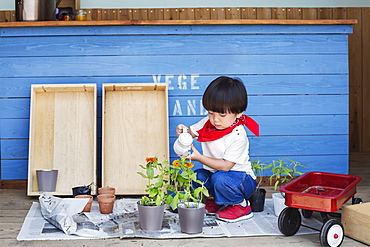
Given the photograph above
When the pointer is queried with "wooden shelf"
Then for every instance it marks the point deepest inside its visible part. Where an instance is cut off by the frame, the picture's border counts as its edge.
(175, 22)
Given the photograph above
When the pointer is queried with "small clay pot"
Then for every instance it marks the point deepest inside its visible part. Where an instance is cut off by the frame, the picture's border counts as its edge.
(106, 190)
(106, 203)
(87, 208)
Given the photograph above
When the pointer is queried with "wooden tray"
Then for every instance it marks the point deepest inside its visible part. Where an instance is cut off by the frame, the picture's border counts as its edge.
(135, 126)
(63, 135)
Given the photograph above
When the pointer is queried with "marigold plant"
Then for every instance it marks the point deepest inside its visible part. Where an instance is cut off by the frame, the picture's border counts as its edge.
(157, 175)
(182, 188)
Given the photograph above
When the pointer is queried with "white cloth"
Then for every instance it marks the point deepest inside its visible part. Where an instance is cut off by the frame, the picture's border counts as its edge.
(233, 147)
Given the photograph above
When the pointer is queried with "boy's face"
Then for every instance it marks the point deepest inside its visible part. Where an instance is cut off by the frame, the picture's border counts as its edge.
(222, 121)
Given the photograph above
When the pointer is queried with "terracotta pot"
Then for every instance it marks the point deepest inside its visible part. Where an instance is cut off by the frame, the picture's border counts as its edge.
(106, 203)
(106, 190)
(87, 208)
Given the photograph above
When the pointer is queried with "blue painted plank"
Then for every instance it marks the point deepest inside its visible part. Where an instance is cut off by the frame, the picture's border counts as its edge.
(190, 64)
(176, 30)
(15, 108)
(324, 163)
(14, 149)
(284, 125)
(14, 128)
(73, 46)
(299, 104)
(269, 105)
(273, 105)
(195, 84)
(14, 169)
(299, 145)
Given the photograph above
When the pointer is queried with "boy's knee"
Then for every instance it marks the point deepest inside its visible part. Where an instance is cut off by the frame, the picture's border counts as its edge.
(202, 174)
(219, 179)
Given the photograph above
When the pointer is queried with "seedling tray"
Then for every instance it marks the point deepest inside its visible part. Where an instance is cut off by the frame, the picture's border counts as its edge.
(320, 191)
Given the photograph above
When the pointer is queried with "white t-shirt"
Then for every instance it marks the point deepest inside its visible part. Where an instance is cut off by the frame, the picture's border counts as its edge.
(233, 147)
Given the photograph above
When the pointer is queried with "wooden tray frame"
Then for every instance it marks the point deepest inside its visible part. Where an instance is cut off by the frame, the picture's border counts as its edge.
(135, 126)
(63, 135)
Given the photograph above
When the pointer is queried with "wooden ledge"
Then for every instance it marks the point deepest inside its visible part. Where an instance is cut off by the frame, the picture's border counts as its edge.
(174, 22)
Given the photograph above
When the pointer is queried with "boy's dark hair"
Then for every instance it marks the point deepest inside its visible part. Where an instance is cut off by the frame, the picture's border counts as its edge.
(225, 95)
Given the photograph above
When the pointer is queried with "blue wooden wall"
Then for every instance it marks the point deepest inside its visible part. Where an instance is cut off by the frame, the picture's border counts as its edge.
(296, 77)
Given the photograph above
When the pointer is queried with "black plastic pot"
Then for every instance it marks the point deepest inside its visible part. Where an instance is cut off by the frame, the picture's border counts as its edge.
(257, 200)
(81, 190)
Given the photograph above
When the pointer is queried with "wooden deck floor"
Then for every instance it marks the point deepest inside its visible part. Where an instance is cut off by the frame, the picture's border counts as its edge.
(14, 205)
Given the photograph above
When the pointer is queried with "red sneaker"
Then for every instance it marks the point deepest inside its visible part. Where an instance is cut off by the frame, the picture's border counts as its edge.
(211, 206)
(235, 213)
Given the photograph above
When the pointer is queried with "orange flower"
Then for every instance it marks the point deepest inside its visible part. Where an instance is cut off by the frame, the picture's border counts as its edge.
(176, 163)
(188, 164)
(151, 159)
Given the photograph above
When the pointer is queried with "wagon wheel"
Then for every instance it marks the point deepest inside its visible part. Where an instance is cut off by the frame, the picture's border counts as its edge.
(289, 221)
(307, 213)
(332, 233)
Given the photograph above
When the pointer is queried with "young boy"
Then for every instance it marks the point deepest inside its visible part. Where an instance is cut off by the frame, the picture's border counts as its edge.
(226, 169)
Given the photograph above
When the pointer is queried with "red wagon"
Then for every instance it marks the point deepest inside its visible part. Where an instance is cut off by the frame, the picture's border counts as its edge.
(318, 191)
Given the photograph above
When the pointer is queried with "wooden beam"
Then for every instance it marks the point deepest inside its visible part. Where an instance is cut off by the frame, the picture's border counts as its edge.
(355, 82)
(13, 184)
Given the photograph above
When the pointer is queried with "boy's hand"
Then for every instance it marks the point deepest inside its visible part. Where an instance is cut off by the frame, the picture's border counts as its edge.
(195, 155)
(179, 129)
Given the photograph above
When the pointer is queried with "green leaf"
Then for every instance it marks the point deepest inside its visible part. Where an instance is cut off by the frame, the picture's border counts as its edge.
(158, 201)
(153, 192)
(197, 191)
(142, 174)
(169, 200)
(159, 184)
(175, 202)
(205, 192)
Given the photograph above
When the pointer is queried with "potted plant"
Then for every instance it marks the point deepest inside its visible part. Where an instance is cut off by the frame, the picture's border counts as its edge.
(257, 200)
(151, 206)
(186, 197)
(283, 171)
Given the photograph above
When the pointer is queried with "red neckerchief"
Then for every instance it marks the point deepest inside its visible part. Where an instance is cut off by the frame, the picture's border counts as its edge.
(210, 133)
